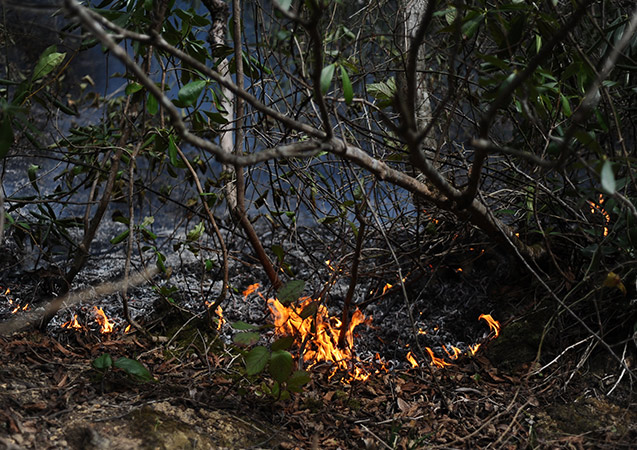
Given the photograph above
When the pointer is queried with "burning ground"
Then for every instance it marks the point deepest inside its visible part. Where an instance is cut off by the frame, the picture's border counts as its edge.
(454, 373)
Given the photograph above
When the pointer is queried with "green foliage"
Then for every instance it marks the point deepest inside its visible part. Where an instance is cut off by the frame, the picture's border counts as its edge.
(131, 367)
(290, 292)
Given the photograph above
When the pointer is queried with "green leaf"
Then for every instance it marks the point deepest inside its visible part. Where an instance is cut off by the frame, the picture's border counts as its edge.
(608, 178)
(119, 238)
(49, 60)
(326, 78)
(134, 368)
(103, 362)
(195, 233)
(291, 291)
(283, 343)
(566, 106)
(189, 93)
(309, 310)
(256, 359)
(131, 88)
(241, 325)
(348, 92)
(281, 363)
(246, 339)
(297, 380)
(152, 105)
(6, 136)
(173, 155)
(32, 174)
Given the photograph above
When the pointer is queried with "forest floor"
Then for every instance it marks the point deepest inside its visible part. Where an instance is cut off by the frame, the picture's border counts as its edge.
(51, 397)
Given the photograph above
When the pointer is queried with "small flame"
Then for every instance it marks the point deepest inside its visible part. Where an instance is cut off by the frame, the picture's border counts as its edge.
(599, 208)
(387, 287)
(328, 263)
(250, 289)
(219, 312)
(493, 324)
(105, 324)
(412, 360)
(435, 361)
(73, 324)
(127, 329)
(473, 349)
(456, 352)
(311, 324)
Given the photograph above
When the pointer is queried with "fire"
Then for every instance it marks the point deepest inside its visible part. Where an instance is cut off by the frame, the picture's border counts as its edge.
(412, 360)
(219, 312)
(73, 324)
(473, 349)
(493, 324)
(105, 324)
(435, 361)
(387, 287)
(599, 208)
(456, 352)
(250, 290)
(318, 334)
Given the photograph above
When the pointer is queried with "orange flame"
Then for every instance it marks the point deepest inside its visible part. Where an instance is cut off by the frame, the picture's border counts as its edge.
(250, 289)
(219, 312)
(318, 333)
(386, 288)
(105, 324)
(127, 329)
(73, 324)
(435, 361)
(456, 352)
(493, 324)
(412, 360)
(473, 349)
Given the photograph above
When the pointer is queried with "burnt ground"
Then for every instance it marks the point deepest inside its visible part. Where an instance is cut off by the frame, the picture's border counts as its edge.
(52, 397)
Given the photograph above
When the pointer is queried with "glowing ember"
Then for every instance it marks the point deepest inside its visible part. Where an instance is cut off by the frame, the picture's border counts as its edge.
(127, 329)
(493, 324)
(105, 324)
(387, 287)
(599, 208)
(73, 324)
(328, 263)
(412, 360)
(318, 333)
(219, 312)
(250, 289)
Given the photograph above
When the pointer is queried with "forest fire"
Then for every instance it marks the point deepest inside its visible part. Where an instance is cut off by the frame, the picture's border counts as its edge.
(318, 334)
